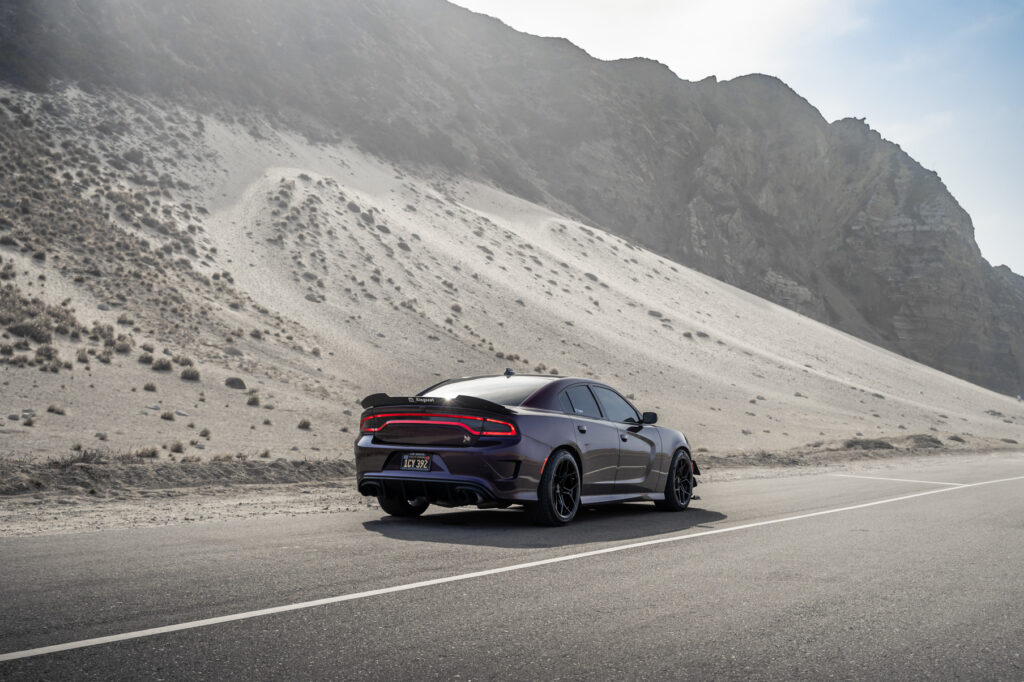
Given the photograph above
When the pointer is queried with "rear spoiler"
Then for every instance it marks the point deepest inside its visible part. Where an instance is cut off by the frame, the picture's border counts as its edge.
(382, 399)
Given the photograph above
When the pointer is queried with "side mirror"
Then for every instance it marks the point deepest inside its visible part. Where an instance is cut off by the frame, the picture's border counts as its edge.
(650, 418)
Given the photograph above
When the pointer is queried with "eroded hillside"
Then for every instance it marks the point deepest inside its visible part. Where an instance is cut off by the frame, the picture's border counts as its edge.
(743, 180)
(151, 253)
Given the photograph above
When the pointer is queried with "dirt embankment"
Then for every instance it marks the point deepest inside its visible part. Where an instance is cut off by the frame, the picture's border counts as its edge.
(90, 490)
(97, 473)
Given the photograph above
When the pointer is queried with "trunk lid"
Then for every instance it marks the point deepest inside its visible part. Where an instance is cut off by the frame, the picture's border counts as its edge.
(434, 422)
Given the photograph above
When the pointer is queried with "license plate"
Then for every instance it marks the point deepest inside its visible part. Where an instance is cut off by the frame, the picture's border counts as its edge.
(415, 462)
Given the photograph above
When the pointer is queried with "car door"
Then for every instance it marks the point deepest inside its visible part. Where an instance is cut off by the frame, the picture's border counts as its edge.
(598, 440)
(638, 445)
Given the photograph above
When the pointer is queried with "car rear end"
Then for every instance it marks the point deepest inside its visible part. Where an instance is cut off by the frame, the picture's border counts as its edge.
(441, 451)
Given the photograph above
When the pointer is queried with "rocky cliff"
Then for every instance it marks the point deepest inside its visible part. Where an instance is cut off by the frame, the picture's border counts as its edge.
(742, 179)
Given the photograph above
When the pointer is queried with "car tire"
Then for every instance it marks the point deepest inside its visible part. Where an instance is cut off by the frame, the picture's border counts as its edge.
(679, 485)
(396, 506)
(558, 495)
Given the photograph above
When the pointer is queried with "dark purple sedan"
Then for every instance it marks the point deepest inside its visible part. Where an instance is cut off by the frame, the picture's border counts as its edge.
(548, 443)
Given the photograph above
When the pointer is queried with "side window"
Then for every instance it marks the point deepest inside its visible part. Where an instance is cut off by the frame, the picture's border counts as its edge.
(583, 402)
(615, 408)
(564, 404)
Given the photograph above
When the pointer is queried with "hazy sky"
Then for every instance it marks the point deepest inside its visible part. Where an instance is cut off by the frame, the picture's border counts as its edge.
(943, 79)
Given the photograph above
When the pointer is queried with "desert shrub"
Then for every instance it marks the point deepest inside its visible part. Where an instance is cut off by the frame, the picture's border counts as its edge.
(148, 347)
(266, 422)
(150, 386)
(83, 356)
(205, 433)
(925, 441)
(55, 409)
(33, 329)
(162, 365)
(6, 349)
(221, 458)
(305, 425)
(123, 347)
(19, 360)
(29, 421)
(178, 447)
(190, 374)
(256, 334)
(146, 453)
(867, 444)
(77, 456)
(183, 360)
(46, 353)
(169, 416)
(253, 401)
(146, 359)
(104, 356)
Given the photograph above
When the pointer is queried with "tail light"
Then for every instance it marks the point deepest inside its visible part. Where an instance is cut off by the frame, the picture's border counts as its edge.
(478, 426)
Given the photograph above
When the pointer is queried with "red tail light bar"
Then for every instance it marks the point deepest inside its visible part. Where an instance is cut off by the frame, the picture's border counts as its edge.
(478, 426)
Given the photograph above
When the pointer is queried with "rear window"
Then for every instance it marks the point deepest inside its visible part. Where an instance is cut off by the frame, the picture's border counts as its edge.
(511, 390)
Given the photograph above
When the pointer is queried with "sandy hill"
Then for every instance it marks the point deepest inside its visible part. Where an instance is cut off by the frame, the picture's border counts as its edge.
(743, 180)
(136, 234)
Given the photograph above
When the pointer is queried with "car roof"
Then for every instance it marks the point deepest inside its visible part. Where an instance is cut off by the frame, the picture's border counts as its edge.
(545, 397)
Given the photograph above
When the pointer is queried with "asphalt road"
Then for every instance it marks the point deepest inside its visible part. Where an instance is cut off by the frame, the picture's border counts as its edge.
(772, 578)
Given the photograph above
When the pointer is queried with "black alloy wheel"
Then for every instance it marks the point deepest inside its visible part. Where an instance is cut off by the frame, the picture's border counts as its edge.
(679, 486)
(558, 495)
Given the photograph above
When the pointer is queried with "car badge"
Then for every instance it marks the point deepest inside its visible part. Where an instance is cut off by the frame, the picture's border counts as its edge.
(466, 439)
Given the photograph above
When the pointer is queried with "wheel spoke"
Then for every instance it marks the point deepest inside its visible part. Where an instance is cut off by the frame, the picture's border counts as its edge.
(564, 489)
(566, 484)
(683, 486)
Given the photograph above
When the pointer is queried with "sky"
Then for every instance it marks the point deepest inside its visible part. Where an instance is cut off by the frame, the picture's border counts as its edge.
(944, 79)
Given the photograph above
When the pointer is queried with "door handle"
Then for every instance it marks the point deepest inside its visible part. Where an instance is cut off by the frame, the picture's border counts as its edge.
(581, 428)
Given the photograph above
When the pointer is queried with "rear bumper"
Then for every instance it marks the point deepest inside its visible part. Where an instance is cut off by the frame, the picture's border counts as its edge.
(505, 473)
(445, 492)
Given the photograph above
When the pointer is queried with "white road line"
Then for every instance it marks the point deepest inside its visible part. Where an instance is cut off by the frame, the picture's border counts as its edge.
(901, 480)
(465, 576)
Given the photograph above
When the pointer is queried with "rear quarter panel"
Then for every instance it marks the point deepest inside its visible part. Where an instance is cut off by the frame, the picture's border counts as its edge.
(542, 432)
